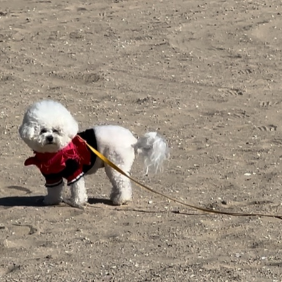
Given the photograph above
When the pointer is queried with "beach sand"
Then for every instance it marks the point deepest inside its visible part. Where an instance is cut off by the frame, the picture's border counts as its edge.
(204, 74)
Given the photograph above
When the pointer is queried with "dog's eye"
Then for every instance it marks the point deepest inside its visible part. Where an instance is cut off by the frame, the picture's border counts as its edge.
(43, 130)
(55, 130)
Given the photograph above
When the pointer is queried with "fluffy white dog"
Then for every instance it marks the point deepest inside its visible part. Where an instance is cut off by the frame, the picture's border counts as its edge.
(50, 130)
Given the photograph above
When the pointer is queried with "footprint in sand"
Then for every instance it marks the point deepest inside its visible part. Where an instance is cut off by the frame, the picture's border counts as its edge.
(266, 104)
(269, 127)
(231, 91)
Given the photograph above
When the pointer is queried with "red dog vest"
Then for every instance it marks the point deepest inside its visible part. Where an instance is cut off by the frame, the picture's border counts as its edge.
(70, 163)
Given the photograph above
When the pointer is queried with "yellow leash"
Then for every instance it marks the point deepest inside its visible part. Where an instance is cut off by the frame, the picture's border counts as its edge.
(108, 162)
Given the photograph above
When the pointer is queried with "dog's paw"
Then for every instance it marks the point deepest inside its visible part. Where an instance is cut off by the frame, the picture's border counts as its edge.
(50, 201)
(75, 204)
(80, 200)
(120, 199)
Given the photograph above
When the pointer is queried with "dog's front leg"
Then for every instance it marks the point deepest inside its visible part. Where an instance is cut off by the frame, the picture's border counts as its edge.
(54, 195)
(78, 193)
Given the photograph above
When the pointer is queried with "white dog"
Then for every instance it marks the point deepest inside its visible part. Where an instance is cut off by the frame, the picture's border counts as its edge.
(51, 132)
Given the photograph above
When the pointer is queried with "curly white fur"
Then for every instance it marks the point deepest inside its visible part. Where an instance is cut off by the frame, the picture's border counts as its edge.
(48, 127)
(44, 120)
(154, 150)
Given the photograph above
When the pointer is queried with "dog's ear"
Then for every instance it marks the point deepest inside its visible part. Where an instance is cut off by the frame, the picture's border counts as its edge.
(72, 128)
(26, 131)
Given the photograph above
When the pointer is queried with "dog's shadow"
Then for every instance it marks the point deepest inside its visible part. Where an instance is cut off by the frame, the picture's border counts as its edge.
(95, 201)
(37, 201)
(22, 201)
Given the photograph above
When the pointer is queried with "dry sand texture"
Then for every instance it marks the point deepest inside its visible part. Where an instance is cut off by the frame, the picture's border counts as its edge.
(206, 75)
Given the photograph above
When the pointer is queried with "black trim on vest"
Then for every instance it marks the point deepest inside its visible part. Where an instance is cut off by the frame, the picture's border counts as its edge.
(90, 137)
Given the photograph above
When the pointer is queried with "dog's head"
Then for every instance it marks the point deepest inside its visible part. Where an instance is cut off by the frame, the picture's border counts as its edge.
(48, 127)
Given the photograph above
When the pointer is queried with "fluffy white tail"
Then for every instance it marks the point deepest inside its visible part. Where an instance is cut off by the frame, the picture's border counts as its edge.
(154, 150)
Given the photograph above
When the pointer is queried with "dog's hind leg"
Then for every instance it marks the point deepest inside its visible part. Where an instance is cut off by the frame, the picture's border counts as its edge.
(121, 190)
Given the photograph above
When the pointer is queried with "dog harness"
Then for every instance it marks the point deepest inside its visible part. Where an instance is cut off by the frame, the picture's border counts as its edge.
(70, 163)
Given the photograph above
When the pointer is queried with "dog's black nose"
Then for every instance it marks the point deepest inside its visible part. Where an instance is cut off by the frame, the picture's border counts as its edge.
(49, 138)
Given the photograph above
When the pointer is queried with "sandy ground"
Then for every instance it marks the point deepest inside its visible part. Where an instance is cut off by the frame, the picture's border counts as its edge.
(207, 76)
